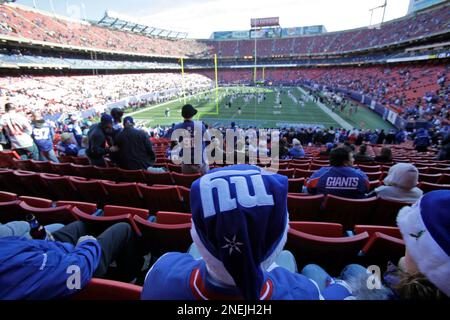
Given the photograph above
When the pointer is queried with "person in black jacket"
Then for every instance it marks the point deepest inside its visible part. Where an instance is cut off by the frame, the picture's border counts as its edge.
(100, 141)
(135, 148)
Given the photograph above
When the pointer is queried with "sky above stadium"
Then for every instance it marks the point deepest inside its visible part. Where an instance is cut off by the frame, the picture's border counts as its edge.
(201, 17)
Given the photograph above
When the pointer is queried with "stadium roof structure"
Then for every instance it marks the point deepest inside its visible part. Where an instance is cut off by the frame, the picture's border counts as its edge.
(117, 21)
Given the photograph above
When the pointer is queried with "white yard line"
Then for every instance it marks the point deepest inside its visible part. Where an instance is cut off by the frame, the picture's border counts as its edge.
(344, 124)
(164, 103)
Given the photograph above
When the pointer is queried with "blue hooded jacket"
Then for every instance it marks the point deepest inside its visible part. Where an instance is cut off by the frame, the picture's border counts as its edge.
(41, 270)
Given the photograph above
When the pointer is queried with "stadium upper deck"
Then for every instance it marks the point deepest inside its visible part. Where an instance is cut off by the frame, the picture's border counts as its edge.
(18, 23)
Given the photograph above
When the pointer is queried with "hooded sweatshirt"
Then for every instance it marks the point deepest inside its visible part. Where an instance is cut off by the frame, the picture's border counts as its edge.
(400, 184)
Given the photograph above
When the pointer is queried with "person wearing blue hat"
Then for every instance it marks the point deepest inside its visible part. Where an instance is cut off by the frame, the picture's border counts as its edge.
(135, 148)
(239, 226)
(100, 142)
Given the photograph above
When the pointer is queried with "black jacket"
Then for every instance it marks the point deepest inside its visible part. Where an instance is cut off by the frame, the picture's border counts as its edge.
(97, 142)
(136, 151)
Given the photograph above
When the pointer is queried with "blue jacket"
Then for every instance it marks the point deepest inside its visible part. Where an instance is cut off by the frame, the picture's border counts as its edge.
(344, 182)
(177, 276)
(43, 137)
(296, 152)
(422, 139)
(40, 269)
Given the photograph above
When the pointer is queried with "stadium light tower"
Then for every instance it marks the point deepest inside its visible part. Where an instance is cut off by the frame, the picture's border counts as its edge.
(379, 7)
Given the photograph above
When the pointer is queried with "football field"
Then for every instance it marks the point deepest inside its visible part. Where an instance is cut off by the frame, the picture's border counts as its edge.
(259, 107)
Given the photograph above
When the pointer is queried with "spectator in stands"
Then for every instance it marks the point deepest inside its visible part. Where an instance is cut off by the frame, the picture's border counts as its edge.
(422, 140)
(67, 146)
(41, 269)
(238, 240)
(75, 129)
(191, 134)
(297, 149)
(444, 152)
(401, 184)
(362, 155)
(424, 271)
(100, 141)
(22, 229)
(18, 129)
(341, 179)
(385, 155)
(381, 137)
(43, 136)
(135, 148)
(117, 115)
(329, 147)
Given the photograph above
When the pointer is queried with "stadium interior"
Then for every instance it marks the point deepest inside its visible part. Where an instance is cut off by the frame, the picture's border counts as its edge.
(370, 88)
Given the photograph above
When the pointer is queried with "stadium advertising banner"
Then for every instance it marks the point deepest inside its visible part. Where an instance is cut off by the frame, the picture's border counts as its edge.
(291, 32)
(265, 22)
(416, 5)
(240, 34)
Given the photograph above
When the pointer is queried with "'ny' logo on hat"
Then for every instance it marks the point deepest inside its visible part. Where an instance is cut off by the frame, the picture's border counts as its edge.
(232, 244)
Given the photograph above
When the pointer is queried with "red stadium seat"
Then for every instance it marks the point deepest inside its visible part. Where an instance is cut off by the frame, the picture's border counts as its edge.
(185, 194)
(131, 176)
(86, 207)
(49, 215)
(374, 184)
(60, 187)
(102, 289)
(111, 211)
(174, 168)
(63, 169)
(331, 253)
(158, 178)
(7, 196)
(32, 184)
(367, 169)
(445, 179)
(184, 180)
(390, 231)
(161, 198)
(164, 217)
(348, 212)
(111, 174)
(374, 176)
(286, 172)
(42, 166)
(304, 208)
(123, 194)
(317, 166)
(430, 178)
(386, 212)
(436, 170)
(11, 211)
(24, 165)
(296, 185)
(90, 191)
(36, 202)
(162, 238)
(100, 224)
(88, 172)
(304, 166)
(6, 159)
(81, 161)
(299, 173)
(381, 248)
(322, 229)
(428, 187)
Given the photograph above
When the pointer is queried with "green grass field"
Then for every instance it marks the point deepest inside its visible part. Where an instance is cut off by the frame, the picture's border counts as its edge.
(261, 114)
